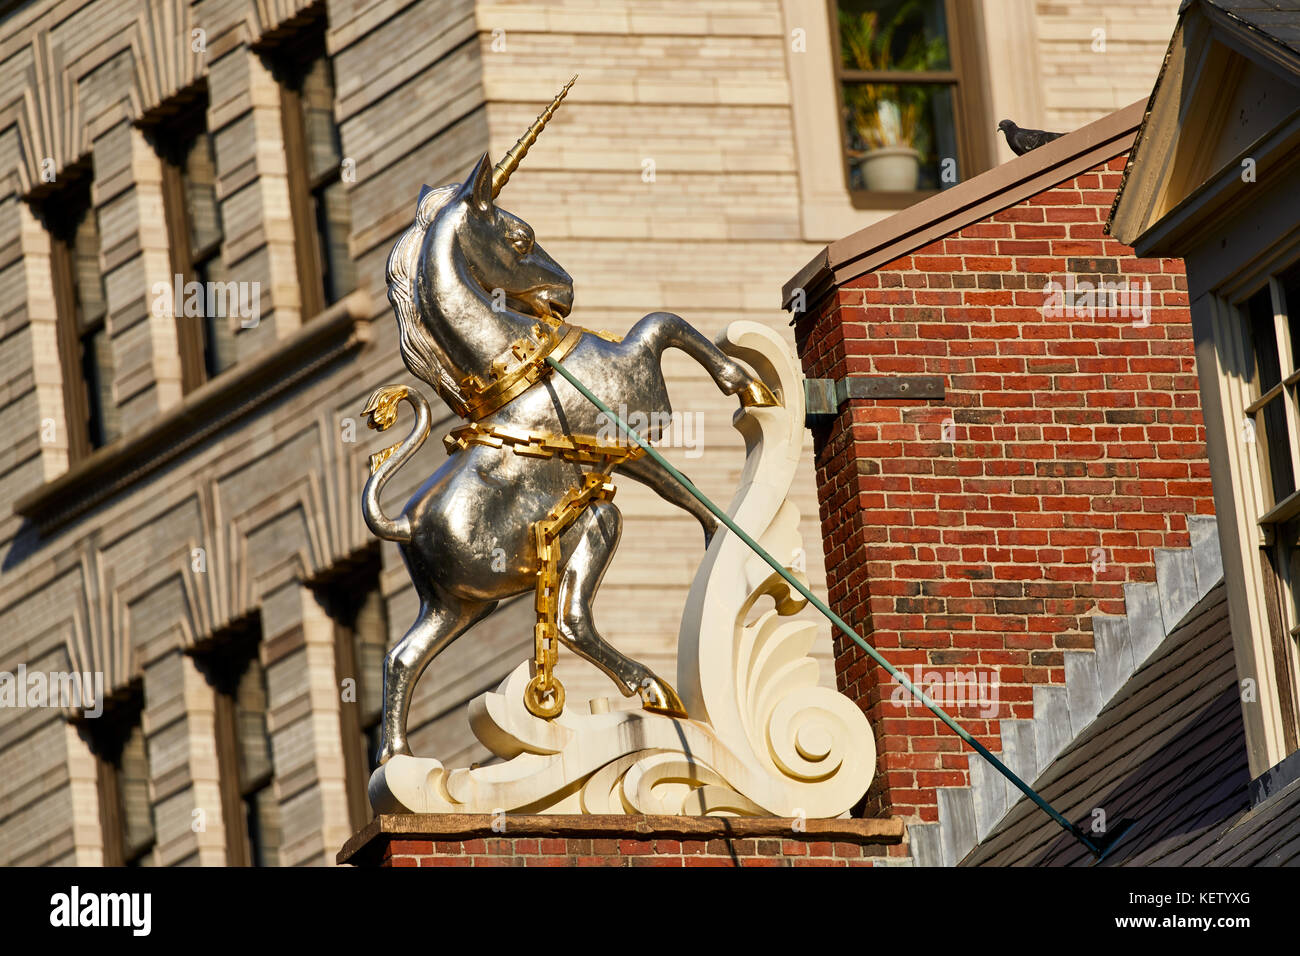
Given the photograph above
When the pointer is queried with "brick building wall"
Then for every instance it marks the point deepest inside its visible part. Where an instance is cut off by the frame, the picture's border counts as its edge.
(585, 851)
(982, 531)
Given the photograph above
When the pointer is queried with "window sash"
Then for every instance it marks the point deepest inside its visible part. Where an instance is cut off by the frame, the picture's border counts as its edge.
(81, 309)
(97, 376)
(245, 767)
(76, 402)
(1278, 606)
(355, 604)
(968, 110)
(189, 151)
(1271, 352)
(189, 336)
(1284, 510)
(121, 755)
(899, 77)
(1274, 392)
(1265, 323)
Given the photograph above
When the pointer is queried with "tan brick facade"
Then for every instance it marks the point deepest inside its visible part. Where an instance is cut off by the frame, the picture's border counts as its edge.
(269, 495)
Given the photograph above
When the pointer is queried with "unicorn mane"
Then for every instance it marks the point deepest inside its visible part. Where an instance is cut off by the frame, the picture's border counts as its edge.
(419, 351)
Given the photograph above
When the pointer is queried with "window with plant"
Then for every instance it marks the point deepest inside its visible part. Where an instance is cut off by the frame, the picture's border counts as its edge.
(898, 87)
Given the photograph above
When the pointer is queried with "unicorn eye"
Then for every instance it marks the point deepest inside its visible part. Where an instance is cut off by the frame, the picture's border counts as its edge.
(523, 244)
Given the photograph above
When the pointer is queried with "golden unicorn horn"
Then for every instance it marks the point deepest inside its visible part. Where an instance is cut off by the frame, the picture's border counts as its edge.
(511, 160)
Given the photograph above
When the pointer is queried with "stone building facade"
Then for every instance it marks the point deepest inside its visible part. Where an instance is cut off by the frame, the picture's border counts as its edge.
(178, 499)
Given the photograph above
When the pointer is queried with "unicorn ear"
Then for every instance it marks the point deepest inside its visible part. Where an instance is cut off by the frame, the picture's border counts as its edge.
(478, 187)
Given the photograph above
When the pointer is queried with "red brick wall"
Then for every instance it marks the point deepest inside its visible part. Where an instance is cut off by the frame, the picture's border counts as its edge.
(574, 851)
(1068, 434)
(459, 839)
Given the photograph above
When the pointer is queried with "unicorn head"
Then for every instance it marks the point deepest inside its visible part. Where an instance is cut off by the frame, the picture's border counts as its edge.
(500, 253)
(467, 278)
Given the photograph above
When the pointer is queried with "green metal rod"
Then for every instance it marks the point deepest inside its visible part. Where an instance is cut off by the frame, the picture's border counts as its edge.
(825, 610)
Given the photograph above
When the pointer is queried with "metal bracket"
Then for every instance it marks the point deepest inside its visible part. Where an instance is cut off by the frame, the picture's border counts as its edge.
(888, 387)
(824, 396)
(819, 397)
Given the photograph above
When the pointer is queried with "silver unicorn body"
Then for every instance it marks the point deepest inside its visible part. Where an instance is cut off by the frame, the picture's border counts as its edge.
(466, 280)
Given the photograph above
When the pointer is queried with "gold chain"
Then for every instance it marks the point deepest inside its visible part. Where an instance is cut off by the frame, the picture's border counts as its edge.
(544, 695)
(523, 365)
(580, 449)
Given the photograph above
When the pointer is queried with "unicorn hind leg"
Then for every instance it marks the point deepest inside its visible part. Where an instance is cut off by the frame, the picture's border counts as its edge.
(598, 532)
(439, 623)
(660, 331)
(650, 473)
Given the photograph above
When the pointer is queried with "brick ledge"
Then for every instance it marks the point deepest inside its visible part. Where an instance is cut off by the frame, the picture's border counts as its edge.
(367, 844)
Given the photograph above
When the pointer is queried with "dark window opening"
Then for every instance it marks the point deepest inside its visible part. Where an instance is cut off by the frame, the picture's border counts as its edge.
(244, 759)
(117, 740)
(194, 226)
(357, 607)
(81, 308)
(318, 198)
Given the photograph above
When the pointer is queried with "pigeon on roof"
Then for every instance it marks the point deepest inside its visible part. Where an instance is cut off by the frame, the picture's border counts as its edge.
(1022, 141)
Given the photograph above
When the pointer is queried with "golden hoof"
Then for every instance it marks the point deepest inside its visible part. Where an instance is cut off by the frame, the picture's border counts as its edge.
(757, 395)
(659, 698)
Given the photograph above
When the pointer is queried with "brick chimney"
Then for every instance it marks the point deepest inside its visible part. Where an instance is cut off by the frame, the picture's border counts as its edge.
(979, 533)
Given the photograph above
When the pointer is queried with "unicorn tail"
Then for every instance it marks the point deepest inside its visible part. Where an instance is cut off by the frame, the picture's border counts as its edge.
(381, 413)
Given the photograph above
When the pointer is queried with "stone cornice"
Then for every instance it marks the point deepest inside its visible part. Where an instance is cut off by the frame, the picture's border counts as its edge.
(218, 404)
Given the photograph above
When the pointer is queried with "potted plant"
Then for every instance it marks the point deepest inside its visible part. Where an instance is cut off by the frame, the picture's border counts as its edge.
(886, 120)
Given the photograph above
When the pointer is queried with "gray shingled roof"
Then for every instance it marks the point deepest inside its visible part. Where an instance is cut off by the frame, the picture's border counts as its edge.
(1277, 19)
(1170, 753)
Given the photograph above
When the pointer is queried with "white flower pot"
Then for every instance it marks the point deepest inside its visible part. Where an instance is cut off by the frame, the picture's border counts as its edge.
(891, 169)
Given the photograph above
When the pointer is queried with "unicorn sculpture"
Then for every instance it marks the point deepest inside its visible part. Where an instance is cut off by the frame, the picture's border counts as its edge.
(480, 306)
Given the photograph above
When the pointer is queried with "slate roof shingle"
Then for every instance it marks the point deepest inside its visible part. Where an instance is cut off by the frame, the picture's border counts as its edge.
(1168, 752)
